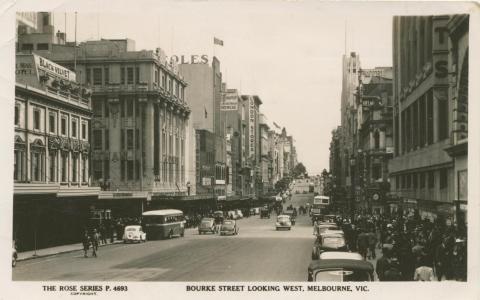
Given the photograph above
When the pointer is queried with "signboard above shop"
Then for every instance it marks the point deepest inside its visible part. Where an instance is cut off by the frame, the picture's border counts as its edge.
(53, 69)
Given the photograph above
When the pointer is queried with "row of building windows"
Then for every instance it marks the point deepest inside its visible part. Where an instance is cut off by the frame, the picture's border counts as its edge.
(416, 34)
(52, 123)
(130, 170)
(417, 124)
(30, 47)
(131, 75)
(422, 180)
(37, 165)
(129, 108)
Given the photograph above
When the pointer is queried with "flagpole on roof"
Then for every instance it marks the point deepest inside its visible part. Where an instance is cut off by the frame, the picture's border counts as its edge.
(75, 45)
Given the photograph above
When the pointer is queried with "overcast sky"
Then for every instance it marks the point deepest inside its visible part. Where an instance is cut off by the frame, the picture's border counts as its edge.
(288, 53)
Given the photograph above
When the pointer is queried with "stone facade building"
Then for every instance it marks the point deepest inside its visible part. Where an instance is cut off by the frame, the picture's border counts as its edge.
(51, 154)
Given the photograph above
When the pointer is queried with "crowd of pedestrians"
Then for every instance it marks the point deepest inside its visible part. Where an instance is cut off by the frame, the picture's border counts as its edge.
(411, 248)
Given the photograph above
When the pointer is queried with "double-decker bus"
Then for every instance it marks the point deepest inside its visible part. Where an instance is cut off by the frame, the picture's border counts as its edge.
(320, 206)
(164, 223)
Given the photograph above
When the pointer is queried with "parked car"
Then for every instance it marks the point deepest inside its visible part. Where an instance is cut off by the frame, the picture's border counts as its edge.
(229, 227)
(340, 255)
(324, 227)
(328, 242)
(340, 270)
(206, 225)
(134, 233)
(283, 222)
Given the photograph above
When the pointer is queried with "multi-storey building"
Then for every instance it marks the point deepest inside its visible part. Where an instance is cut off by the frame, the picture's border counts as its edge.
(429, 112)
(140, 130)
(140, 126)
(51, 154)
(205, 162)
(204, 96)
(231, 108)
(458, 93)
(265, 158)
(250, 111)
(351, 65)
(35, 32)
(337, 191)
(374, 138)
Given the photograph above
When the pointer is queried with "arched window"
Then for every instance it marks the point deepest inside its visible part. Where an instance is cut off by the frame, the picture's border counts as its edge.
(19, 159)
(37, 160)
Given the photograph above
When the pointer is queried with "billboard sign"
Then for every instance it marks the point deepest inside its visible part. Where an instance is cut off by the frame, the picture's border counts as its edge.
(229, 101)
(53, 69)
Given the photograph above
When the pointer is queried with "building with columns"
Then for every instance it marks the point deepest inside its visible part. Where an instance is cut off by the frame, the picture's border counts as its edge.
(140, 128)
(51, 154)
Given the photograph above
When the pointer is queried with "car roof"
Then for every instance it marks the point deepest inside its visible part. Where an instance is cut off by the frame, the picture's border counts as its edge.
(285, 216)
(340, 255)
(331, 234)
(340, 263)
(327, 225)
(335, 231)
(133, 226)
(162, 212)
(208, 219)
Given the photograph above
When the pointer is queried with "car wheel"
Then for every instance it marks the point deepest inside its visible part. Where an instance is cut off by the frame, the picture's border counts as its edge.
(14, 262)
(170, 235)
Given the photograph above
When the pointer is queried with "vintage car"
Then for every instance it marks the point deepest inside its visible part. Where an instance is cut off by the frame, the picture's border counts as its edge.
(328, 242)
(283, 222)
(265, 213)
(323, 227)
(207, 225)
(229, 227)
(340, 255)
(134, 234)
(340, 270)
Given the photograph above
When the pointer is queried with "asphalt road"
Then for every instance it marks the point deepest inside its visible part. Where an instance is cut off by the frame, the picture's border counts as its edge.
(258, 253)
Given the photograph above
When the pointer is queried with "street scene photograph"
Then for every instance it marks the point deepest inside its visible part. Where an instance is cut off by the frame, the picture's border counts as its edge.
(240, 142)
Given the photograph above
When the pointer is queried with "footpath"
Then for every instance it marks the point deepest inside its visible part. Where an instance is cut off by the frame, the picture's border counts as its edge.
(26, 255)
